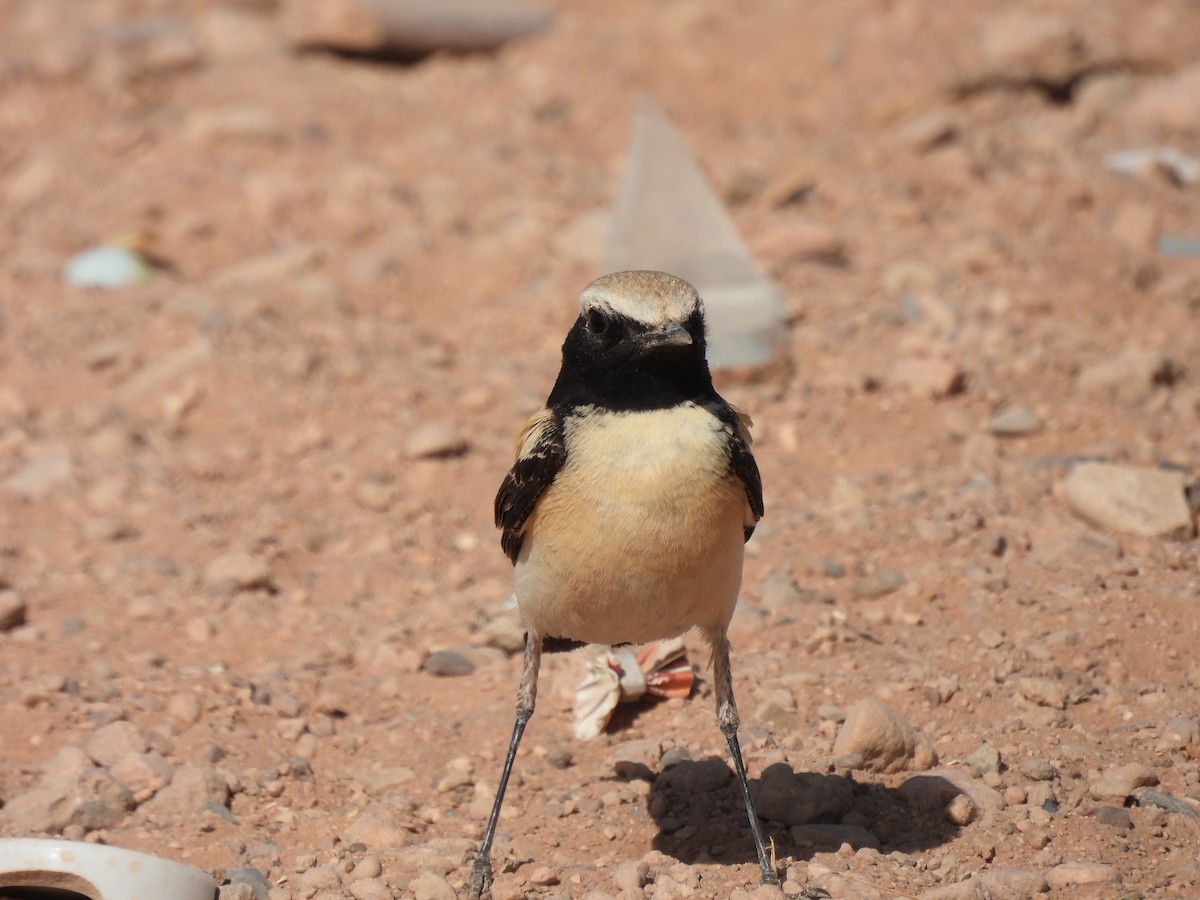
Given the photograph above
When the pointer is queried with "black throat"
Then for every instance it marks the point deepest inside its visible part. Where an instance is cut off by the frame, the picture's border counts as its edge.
(623, 376)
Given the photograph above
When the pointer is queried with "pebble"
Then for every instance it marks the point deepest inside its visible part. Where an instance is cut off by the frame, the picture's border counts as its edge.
(377, 829)
(1069, 874)
(185, 708)
(90, 799)
(1024, 47)
(431, 886)
(252, 878)
(935, 378)
(877, 584)
(1180, 734)
(143, 772)
(1114, 816)
(986, 759)
(319, 878)
(13, 610)
(992, 884)
(1038, 770)
(47, 467)
(1131, 499)
(637, 759)
(237, 571)
(447, 664)
(1043, 692)
(960, 810)
(380, 781)
(934, 789)
(1120, 782)
(435, 440)
(189, 792)
(799, 798)
(1128, 377)
(370, 889)
(883, 739)
(238, 122)
(367, 867)
(631, 876)
(111, 742)
(1015, 422)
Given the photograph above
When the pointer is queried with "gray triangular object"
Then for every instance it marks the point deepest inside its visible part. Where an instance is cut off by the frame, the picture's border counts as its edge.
(668, 217)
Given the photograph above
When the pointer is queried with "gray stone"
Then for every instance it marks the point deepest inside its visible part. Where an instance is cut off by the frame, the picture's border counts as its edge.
(1038, 770)
(192, 788)
(883, 739)
(414, 27)
(791, 798)
(1114, 816)
(447, 664)
(986, 759)
(1131, 499)
(252, 878)
(111, 742)
(877, 584)
(1015, 422)
(1128, 377)
(90, 799)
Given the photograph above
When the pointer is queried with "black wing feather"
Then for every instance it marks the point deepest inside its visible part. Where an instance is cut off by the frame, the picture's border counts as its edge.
(741, 459)
(540, 454)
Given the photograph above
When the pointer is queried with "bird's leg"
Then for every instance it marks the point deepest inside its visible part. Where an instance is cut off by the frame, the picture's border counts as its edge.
(481, 872)
(727, 717)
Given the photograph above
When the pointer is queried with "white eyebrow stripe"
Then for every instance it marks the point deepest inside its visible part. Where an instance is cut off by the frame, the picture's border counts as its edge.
(652, 298)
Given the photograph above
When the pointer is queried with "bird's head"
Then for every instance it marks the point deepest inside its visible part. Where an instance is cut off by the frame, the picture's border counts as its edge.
(638, 342)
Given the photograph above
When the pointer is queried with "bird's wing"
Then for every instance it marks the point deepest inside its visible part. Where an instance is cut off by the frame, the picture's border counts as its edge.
(541, 452)
(742, 464)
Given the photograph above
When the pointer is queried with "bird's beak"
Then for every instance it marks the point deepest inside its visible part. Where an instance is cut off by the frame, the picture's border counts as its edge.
(670, 335)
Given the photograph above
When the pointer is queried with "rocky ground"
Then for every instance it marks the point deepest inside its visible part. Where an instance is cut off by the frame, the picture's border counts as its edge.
(251, 599)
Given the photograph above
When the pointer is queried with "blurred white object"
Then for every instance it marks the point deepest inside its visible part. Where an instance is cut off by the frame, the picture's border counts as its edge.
(97, 872)
(669, 218)
(107, 267)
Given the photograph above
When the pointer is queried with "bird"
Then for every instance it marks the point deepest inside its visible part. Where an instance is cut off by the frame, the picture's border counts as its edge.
(628, 507)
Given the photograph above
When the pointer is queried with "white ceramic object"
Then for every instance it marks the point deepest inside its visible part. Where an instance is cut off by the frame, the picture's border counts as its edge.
(98, 872)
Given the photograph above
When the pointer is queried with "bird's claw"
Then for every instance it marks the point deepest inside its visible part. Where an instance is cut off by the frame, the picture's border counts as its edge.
(815, 893)
(481, 880)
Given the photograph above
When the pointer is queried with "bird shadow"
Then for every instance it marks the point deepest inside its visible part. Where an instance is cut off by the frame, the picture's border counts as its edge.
(697, 806)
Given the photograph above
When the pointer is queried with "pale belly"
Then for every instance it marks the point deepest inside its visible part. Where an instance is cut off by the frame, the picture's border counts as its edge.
(649, 549)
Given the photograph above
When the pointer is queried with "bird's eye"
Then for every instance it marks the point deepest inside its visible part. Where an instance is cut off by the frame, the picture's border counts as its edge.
(595, 322)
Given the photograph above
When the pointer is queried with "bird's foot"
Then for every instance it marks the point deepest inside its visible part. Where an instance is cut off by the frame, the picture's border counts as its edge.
(815, 893)
(481, 878)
